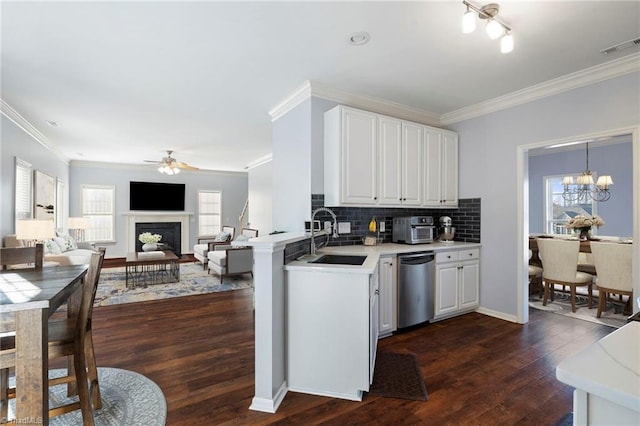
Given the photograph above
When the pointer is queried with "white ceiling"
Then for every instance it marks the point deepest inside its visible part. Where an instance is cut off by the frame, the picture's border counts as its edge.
(127, 80)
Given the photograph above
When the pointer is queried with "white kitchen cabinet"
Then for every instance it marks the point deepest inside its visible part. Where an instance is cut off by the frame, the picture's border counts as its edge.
(400, 162)
(375, 160)
(332, 331)
(457, 282)
(440, 168)
(350, 157)
(387, 270)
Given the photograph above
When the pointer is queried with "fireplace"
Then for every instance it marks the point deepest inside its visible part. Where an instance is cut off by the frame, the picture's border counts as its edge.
(170, 231)
(134, 218)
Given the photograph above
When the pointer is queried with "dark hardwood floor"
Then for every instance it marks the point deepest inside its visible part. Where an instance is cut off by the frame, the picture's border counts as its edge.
(477, 369)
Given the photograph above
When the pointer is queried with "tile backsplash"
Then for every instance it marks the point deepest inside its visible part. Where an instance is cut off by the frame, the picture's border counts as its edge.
(466, 219)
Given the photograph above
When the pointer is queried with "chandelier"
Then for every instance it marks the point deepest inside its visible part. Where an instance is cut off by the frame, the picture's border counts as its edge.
(584, 189)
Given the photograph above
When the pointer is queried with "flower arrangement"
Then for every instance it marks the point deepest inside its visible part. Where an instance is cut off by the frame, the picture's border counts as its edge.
(583, 222)
(149, 238)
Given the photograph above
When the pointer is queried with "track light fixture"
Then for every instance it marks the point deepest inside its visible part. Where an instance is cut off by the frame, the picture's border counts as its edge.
(495, 28)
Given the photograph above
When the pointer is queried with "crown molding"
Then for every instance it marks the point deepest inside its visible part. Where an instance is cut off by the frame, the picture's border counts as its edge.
(259, 161)
(595, 74)
(370, 103)
(24, 124)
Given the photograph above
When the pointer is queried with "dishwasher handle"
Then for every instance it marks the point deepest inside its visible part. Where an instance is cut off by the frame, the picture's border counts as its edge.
(416, 258)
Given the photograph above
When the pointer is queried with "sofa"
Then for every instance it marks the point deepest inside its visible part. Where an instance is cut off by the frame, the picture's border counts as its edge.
(61, 250)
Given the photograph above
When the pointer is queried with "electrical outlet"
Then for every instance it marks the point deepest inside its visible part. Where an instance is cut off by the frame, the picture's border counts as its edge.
(381, 226)
(344, 227)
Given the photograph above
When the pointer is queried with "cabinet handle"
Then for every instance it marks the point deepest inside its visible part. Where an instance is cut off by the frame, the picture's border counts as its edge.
(470, 254)
(375, 198)
(377, 291)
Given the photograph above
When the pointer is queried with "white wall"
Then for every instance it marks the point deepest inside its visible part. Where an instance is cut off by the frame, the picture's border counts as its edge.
(260, 198)
(15, 142)
(488, 157)
(292, 169)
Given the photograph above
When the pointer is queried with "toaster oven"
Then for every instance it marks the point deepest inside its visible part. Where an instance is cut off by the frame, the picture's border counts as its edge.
(413, 230)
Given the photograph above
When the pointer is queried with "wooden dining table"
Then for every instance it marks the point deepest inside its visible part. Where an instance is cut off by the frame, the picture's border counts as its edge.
(33, 295)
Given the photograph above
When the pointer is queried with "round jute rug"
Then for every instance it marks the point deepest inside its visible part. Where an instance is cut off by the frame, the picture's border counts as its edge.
(128, 399)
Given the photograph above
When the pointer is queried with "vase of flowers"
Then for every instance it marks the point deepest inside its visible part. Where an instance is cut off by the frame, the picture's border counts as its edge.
(582, 224)
(149, 241)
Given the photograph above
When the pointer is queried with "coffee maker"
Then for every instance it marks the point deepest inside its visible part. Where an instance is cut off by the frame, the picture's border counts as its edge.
(447, 231)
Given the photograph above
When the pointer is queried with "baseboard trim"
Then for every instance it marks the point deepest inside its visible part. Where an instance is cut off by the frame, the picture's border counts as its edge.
(497, 314)
(269, 405)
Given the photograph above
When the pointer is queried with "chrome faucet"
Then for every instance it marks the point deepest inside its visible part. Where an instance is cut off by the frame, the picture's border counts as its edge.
(334, 226)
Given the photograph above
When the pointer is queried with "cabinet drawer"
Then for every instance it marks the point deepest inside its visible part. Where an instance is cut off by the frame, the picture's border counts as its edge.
(470, 254)
(447, 256)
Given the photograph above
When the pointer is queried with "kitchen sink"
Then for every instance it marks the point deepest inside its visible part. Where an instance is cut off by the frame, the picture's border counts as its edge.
(339, 259)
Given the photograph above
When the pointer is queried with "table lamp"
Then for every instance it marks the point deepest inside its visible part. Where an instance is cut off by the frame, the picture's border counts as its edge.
(78, 225)
(35, 230)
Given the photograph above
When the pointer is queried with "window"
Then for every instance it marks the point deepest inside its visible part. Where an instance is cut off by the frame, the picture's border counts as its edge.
(23, 190)
(558, 211)
(99, 206)
(209, 211)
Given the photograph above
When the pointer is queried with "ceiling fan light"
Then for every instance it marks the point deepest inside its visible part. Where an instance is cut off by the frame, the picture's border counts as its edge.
(468, 22)
(494, 29)
(506, 43)
(176, 171)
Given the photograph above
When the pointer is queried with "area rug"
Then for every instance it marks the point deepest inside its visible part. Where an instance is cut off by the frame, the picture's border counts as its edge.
(397, 375)
(612, 317)
(112, 289)
(128, 399)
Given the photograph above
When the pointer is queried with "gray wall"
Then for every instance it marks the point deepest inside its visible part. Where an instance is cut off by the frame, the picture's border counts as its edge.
(15, 142)
(234, 187)
(614, 159)
(488, 157)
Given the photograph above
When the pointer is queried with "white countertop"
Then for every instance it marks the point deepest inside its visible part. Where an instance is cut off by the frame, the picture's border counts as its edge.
(610, 368)
(373, 254)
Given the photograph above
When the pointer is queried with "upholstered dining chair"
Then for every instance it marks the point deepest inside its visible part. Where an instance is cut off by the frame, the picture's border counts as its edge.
(22, 257)
(613, 266)
(206, 243)
(69, 337)
(560, 266)
(227, 260)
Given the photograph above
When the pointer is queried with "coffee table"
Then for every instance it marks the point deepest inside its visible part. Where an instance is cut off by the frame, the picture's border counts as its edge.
(142, 269)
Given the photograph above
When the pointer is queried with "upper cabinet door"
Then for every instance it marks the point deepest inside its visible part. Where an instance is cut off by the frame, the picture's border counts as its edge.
(390, 160)
(358, 149)
(412, 161)
(449, 169)
(432, 168)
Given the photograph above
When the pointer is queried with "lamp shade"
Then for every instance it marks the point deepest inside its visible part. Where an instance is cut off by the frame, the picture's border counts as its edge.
(35, 229)
(506, 43)
(567, 180)
(78, 223)
(604, 181)
(585, 179)
(494, 29)
(468, 22)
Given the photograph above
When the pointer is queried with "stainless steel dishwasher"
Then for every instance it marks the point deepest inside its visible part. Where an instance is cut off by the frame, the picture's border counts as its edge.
(415, 288)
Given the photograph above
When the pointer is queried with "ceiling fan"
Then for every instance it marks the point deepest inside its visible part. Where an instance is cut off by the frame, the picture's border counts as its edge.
(170, 165)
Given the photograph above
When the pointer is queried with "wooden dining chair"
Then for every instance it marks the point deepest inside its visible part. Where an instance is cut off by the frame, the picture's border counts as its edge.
(22, 257)
(613, 266)
(560, 266)
(71, 338)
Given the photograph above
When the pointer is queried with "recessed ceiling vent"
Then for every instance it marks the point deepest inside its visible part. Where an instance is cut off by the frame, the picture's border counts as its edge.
(621, 46)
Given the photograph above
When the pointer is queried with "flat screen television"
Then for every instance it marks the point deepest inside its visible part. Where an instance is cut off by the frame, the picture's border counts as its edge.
(156, 196)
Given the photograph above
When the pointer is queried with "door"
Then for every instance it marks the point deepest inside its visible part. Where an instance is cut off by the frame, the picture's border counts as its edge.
(469, 283)
(358, 157)
(390, 159)
(387, 299)
(432, 168)
(446, 289)
(449, 169)
(412, 160)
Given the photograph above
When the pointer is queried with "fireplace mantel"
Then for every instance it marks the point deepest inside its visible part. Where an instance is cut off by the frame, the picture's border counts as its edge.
(134, 217)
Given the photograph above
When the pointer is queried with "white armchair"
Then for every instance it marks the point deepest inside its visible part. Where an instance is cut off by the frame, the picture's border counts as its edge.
(206, 243)
(226, 260)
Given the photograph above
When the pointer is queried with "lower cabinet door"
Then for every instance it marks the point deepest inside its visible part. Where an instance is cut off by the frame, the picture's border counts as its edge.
(446, 290)
(469, 279)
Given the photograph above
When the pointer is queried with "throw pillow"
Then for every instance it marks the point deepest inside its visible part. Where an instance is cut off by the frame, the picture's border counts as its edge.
(51, 247)
(242, 238)
(222, 237)
(69, 243)
(61, 242)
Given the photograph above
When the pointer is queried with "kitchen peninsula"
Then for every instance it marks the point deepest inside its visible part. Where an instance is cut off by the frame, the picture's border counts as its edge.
(335, 312)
